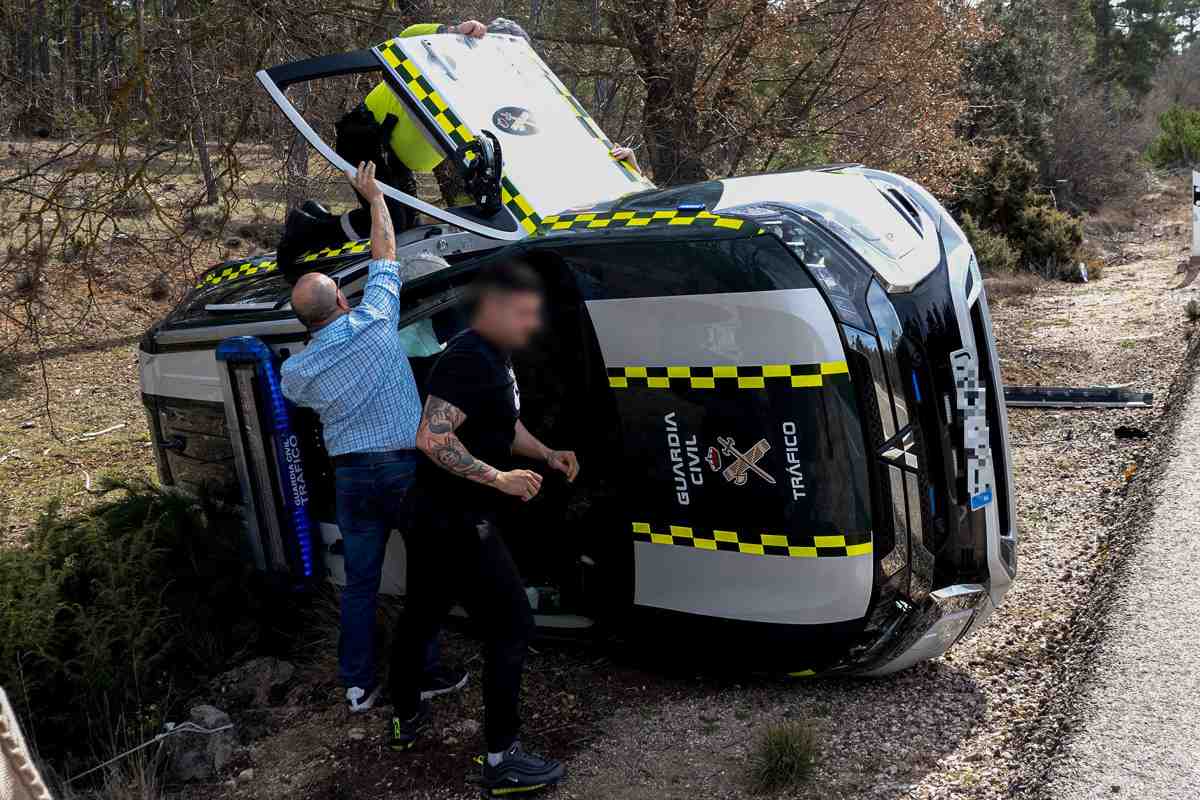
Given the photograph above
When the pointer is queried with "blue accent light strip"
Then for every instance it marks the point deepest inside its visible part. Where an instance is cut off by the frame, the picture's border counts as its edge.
(932, 503)
(916, 386)
(252, 350)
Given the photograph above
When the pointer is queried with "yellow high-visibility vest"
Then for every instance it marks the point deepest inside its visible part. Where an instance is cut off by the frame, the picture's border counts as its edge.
(408, 141)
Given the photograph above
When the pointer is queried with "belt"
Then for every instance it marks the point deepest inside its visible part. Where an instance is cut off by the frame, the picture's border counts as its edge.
(367, 459)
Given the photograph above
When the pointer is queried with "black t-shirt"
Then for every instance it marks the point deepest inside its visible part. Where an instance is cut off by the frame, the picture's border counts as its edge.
(478, 378)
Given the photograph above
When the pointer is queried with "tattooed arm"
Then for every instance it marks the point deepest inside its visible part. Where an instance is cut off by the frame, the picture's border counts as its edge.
(437, 439)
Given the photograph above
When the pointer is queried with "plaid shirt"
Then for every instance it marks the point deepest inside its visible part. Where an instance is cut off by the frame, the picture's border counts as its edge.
(356, 376)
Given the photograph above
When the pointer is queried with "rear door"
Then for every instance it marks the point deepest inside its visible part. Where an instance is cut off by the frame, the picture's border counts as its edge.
(745, 489)
(555, 156)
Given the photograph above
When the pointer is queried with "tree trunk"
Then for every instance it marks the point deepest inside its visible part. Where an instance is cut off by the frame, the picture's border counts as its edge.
(43, 39)
(100, 57)
(27, 74)
(296, 165)
(76, 58)
(139, 50)
(197, 128)
(664, 47)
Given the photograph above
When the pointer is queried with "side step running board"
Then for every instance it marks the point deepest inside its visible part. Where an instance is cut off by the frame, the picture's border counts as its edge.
(1067, 397)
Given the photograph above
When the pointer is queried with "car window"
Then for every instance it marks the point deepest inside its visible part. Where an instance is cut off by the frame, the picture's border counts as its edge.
(419, 339)
(659, 268)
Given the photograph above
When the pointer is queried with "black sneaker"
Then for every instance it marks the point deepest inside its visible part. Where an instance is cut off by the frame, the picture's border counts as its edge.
(403, 733)
(443, 680)
(520, 772)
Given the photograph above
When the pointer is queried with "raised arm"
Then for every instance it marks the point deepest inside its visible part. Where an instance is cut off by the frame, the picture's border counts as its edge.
(437, 439)
(383, 235)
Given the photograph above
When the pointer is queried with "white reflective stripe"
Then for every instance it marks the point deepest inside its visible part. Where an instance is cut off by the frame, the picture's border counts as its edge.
(348, 229)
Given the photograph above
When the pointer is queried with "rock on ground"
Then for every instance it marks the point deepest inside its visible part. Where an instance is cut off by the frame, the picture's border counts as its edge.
(198, 756)
(258, 682)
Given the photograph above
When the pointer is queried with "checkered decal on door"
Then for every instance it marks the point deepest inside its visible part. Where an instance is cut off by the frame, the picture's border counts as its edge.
(518, 206)
(760, 376)
(236, 271)
(454, 128)
(756, 544)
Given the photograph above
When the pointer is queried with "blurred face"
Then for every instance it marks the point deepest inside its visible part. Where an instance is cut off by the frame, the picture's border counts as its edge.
(510, 319)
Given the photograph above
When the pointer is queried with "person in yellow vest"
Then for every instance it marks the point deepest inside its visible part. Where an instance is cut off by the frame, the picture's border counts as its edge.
(381, 129)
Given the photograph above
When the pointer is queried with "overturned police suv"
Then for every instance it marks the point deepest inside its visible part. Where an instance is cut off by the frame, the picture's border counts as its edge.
(783, 389)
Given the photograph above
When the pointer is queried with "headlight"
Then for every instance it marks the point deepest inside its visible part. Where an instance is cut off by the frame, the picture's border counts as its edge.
(829, 261)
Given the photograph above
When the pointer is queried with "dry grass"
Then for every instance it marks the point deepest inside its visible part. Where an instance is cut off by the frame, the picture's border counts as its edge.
(784, 757)
(68, 337)
(86, 391)
(1003, 287)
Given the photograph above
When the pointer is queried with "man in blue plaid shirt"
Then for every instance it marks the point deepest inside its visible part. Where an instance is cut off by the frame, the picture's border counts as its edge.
(355, 374)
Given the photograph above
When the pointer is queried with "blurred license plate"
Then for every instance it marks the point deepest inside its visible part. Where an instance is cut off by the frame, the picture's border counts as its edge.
(971, 400)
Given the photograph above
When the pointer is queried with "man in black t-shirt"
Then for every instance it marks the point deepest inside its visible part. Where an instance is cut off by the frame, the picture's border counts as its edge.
(470, 429)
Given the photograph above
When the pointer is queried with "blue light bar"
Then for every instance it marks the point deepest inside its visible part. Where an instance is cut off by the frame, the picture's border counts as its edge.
(290, 462)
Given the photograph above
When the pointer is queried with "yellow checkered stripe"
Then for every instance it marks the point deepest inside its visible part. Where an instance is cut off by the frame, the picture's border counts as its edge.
(760, 376)
(258, 266)
(453, 127)
(756, 544)
(600, 220)
(518, 206)
(236, 271)
(342, 250)
(424, 93)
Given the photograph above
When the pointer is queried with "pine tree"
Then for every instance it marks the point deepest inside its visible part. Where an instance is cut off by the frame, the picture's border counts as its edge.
(1133, 37)
(1186, 14)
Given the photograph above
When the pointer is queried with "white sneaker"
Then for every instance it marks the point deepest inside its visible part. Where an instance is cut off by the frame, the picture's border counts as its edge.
(359, 700)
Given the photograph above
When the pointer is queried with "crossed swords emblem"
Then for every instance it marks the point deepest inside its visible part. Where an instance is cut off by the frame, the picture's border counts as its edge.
(738, 473)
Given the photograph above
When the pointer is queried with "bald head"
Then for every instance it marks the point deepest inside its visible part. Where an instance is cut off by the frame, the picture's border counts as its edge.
(315, 299)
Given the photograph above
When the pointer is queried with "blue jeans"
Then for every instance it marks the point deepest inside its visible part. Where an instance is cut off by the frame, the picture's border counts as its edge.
(371, 492)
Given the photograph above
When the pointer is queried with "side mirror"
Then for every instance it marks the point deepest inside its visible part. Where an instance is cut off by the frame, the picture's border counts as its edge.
(483, 162)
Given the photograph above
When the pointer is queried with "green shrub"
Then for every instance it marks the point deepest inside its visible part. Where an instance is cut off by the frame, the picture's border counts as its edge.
(993, 251)
(1001, 189)
(1010, 223)
(1049, 239)
(783, 757)
(1179, 143)
(105, 615)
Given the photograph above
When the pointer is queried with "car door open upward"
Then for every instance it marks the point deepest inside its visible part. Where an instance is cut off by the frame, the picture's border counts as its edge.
(555, 156)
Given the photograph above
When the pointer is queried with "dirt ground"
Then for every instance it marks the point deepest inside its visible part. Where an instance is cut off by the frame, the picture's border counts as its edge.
(958, 727)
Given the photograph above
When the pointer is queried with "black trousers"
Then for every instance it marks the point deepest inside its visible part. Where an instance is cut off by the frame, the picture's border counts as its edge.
(459, 556)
